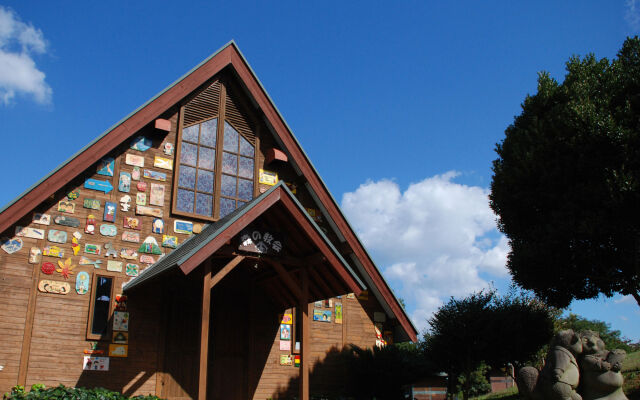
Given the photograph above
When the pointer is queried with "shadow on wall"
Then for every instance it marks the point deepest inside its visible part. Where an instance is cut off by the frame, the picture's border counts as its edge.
(352, 372)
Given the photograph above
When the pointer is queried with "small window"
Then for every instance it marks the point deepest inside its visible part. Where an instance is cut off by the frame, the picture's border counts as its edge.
(236, 184)
(100, 307)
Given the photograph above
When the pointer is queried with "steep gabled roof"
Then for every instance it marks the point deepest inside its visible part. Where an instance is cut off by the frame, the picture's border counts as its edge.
(228, 56)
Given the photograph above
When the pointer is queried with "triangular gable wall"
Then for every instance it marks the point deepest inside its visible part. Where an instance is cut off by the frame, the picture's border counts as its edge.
(164, 105)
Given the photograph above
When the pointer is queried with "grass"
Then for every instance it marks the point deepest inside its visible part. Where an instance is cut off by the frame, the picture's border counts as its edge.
(630, 370)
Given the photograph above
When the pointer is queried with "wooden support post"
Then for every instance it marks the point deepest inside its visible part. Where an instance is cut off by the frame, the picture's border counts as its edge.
(204, 331)
(305, 352)
(288, 280)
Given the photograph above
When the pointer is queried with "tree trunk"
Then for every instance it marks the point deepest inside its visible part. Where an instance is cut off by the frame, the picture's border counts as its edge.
(636, 296)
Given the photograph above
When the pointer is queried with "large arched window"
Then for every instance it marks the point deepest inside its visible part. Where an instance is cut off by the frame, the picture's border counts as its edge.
(215, 172)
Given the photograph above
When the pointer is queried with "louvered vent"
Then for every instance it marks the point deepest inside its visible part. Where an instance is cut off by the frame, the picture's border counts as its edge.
(238, 119)
(203, 106)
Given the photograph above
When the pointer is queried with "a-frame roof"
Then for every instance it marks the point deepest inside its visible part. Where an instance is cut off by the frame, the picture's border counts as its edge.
(228, 56)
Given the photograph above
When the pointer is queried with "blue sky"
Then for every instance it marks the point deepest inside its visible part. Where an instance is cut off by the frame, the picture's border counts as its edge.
(399, 105)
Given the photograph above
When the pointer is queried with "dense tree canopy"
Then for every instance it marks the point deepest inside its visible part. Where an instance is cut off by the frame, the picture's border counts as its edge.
(484, 327)
(612, 339)
(566, 185)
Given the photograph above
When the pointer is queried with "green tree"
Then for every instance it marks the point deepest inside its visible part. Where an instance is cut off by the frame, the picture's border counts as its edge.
(566, 184)
(484, 327)
(612, 338)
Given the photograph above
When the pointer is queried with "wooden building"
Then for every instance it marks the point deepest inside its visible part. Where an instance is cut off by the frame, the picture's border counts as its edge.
(190, 251)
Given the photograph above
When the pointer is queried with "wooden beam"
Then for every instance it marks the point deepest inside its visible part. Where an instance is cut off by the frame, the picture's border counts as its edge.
(225, 270)
(288, 280)
(320, 282)
(305, 349)
(28, 329)
(314, 259)
(204, 332)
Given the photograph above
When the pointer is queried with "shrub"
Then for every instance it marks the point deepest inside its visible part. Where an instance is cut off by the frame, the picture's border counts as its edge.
(40, 392)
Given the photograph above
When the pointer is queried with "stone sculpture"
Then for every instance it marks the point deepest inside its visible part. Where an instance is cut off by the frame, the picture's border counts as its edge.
(577, 367)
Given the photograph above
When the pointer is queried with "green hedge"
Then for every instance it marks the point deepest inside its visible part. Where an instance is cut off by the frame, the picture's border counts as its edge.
(40, 392)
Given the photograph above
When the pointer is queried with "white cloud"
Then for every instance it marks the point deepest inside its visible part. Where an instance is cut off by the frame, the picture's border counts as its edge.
(436, 239)
(19, 74)
(632, 15)
(624, 299)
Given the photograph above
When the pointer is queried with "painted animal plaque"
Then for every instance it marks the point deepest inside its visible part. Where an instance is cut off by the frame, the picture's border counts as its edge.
(156, 195)
(47, 286)
(142, 186)
(131, 223)
(82, 282)
(121, 321)
(125, 202)
(118, 350)
(163, 163)
(132, 270)
(121, 337)
(91, 204)
(91, 225)
(56, 236)
(133, 237)
(168, 149)
(141, 143)
(184, 227)
(114, 266)
(147, 259)
(35, 255)
(92, 249)
(150, 246)
(66, 207)
(135, 160)
(110, 211)
(128, 254)
(106, 166)
(48, 268)
(11, 245)
(91, 363)
(32, 233)
(158, 226)
(41, 219)
(169, 241)
(141, 199)
(53, 251)
(135, 173)
(67, 221)
(150, 211)
(100, 186)
(124, 183)
(75, 246)
(108, 230)
(111, 251)
(155, 175)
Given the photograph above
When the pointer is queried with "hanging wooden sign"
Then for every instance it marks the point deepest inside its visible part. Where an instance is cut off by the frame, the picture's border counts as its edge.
(132, 270)
(67, 221)
(131, 223)
(118, 350)
(338, 310)
(56, 236)
(106, 166)
(157, 226)
(268, 177)
(48, 268)
(114, 266)
(286, 359)
(184, 227)
(66, 207)
(141, 143)
(53, 251)
(149, 211)
(121, 337)
(132, 237)
(150, 246)
(82, 282)
(260, 241)
(147, 259)
(163, 163)
(11, 245)
(128, 254)
(156, 195)
(121, 321)
(92, 204)
(135, 174)
(86, 261)
(91, 225)
(321, 315)
(92, 249)
(108, 230)
(135, 160)
(169, 241)
(124, 182)
(32, 233)
(91, 363)
(141, 199)
(110, 211)
(100, 186)
(35, 255)
(155, 175)
(41, 219)
(55, 287)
